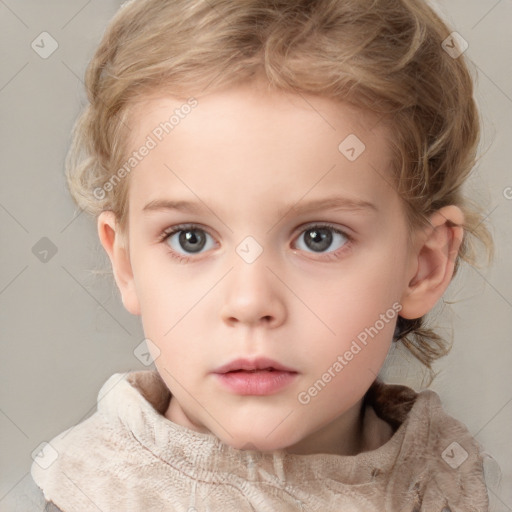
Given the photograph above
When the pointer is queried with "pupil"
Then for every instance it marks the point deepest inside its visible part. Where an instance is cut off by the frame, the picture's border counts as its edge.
(319, 239)
(192, 240)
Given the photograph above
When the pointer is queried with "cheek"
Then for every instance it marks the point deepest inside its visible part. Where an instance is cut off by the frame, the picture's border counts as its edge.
(357, 312)
(342, 365)
(165, 289)
(354, 298)
(172, 311)
(360, 331)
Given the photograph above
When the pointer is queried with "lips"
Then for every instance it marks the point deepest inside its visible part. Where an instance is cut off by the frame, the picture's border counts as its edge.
(257, 377)
(259, 364)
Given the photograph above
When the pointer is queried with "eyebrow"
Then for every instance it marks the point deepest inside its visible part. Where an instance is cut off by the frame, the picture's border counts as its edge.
(336, 203)
(166, 204)
(328, 203)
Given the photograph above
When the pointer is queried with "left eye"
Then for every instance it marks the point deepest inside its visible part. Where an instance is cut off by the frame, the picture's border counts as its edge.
(320, 238)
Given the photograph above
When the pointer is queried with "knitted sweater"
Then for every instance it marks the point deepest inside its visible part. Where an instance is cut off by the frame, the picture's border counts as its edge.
(128, 456)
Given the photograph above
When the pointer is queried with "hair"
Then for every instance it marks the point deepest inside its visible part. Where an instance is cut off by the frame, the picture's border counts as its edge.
(382, 56)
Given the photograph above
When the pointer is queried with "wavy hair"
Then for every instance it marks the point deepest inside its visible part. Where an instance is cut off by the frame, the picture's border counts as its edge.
(383, 56)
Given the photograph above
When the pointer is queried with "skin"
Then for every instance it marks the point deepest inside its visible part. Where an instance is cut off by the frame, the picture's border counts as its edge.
(243, 155)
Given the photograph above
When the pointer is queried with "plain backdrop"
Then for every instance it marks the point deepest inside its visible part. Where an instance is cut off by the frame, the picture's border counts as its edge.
(64, 330)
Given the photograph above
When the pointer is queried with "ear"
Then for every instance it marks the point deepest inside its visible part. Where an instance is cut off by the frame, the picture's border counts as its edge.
(114, 245)
(433, 262)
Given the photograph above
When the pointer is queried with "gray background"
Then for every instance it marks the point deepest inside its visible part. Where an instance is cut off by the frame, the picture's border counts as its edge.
(63, 328)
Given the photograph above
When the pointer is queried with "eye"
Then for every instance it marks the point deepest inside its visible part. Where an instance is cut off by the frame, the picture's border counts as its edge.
(320, 238)
(188, 239)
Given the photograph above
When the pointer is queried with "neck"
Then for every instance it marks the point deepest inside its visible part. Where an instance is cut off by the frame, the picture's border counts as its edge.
(342, 436)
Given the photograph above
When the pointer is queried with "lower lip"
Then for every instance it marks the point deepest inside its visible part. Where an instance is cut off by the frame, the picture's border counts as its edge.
(256, 383)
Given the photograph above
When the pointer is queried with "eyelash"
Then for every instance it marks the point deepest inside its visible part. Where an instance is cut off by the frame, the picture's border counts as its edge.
(167, 233)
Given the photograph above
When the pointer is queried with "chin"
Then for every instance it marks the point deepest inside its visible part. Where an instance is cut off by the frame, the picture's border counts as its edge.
(260, 442)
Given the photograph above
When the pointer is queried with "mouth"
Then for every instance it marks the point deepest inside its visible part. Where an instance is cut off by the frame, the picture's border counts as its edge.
(261, 364)
(258, 377)
(254, 371)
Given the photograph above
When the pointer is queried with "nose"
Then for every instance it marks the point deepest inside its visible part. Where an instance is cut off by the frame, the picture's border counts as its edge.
(253, 296)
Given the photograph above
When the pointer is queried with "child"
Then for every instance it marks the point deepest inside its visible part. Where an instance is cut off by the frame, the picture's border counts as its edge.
(278, 187)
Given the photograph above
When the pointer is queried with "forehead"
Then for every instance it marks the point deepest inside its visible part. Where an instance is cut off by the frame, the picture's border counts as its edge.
(248, 144)
(250, 104)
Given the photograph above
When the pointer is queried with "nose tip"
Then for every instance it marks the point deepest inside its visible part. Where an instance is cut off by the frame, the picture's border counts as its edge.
(253, 297)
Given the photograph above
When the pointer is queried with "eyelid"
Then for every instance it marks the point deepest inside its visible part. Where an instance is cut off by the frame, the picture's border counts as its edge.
(346, 232)
(167, 232)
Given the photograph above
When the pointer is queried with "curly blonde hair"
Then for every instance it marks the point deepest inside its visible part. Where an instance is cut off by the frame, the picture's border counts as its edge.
(383, 56)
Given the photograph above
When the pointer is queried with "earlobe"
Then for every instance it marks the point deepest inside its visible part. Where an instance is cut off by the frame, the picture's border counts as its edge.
(119, 258)
(435, 258)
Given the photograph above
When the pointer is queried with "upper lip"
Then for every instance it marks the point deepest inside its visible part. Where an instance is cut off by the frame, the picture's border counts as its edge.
(260, 363)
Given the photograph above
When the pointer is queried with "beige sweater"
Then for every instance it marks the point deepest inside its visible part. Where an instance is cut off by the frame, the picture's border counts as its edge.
(128, 457)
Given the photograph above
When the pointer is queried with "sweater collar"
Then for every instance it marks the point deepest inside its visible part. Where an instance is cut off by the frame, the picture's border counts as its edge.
(129, 452)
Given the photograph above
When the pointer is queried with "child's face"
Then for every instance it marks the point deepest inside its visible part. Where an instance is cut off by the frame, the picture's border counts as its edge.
(266, 167)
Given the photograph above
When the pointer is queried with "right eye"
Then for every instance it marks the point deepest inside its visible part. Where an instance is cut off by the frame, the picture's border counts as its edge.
(189, 239)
